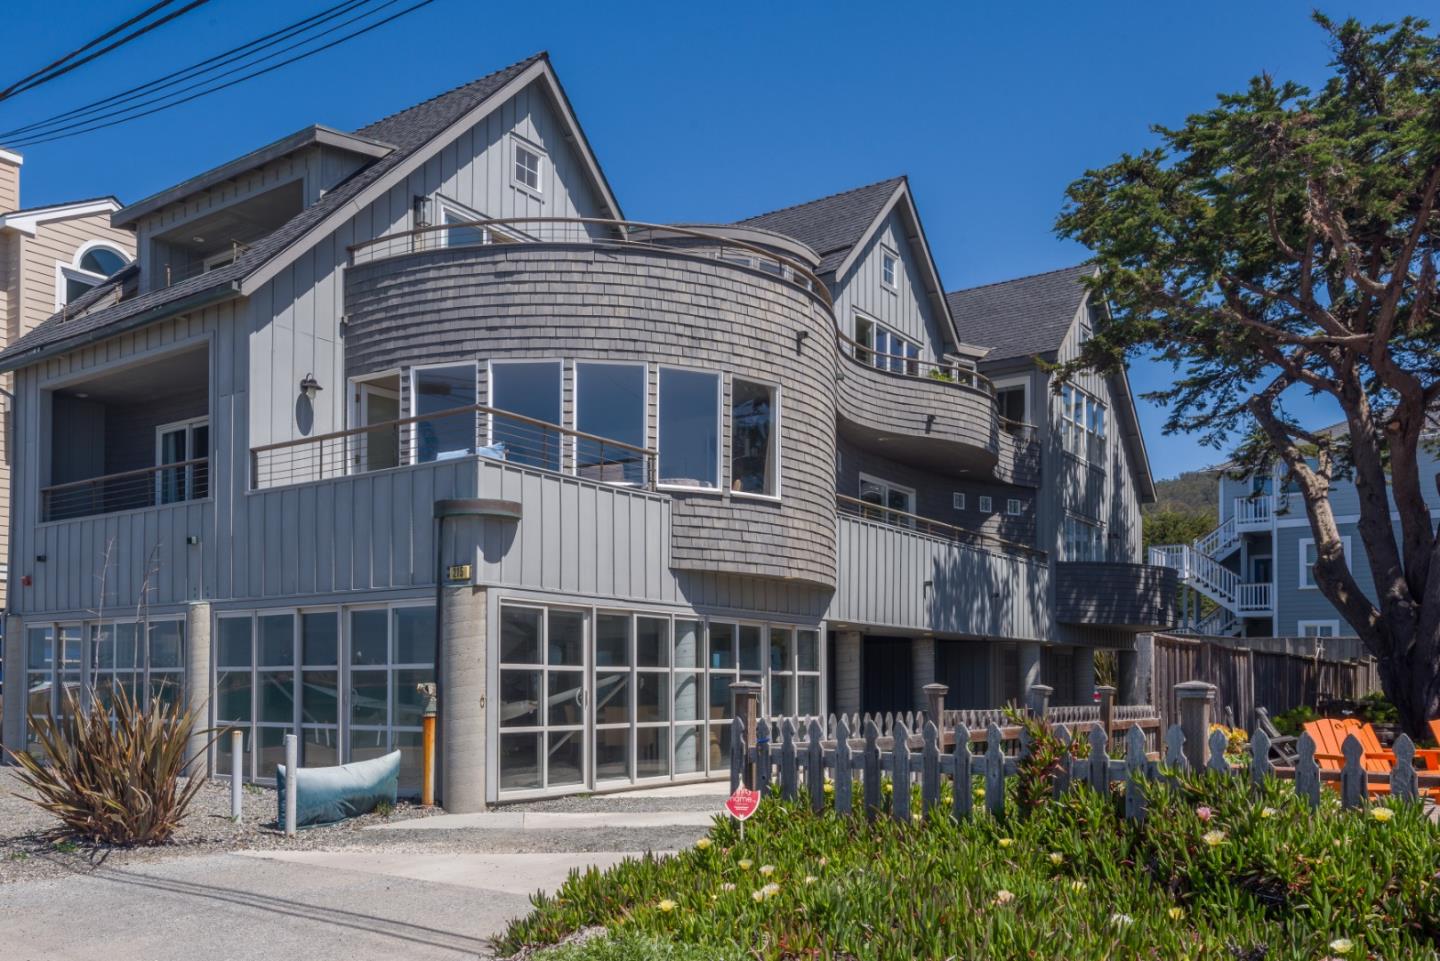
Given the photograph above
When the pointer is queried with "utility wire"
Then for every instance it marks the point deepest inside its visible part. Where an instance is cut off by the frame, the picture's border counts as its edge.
(57, 135)
(192, 72)
(100, 39)
(48, 75)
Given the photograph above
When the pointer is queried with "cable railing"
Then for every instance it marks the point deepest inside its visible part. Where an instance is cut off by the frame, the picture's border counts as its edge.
(591, 231)
(846, 506)
(451, 434)
(174, 483)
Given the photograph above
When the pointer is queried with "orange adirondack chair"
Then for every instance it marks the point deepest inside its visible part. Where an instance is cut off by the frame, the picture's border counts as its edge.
(1329, 734)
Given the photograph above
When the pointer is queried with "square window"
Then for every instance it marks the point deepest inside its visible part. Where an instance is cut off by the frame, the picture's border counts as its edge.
(958, 500)
(527, 167)
(1014, 506)
(985, 504)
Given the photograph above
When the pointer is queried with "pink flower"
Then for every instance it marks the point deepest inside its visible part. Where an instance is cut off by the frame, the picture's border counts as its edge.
(1203, 813)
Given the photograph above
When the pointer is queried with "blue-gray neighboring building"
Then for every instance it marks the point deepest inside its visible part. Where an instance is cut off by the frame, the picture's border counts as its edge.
(423, 386)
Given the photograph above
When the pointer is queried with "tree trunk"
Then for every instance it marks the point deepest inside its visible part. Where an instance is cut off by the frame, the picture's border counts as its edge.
(1411, 680)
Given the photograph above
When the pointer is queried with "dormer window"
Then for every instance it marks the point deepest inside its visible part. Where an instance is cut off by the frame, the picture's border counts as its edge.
(889, 269)
(529, 167)
(93, 263)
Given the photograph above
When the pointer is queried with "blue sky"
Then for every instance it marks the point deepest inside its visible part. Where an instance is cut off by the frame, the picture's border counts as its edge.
(718, 111)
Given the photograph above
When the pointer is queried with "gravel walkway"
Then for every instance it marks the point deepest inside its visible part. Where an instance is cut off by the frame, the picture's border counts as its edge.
(28, 852)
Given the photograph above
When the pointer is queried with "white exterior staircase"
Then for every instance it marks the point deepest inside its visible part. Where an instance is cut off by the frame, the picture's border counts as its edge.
(1199, 566)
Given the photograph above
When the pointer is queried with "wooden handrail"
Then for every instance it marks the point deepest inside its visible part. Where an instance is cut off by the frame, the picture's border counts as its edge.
(453, 412)
(816, 285)
(139, 472)
(955, 533)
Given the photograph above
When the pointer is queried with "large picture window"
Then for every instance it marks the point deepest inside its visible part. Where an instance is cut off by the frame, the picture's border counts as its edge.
(610, 403)
(435, 390)
(689, 436)
(532, 390)
(1082, 424)
(754, 438)
(1084, 540)
(885, 348)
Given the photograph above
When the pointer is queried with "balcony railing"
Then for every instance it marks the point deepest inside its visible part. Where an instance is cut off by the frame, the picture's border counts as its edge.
(470, 431)
(175, 483)
(865, 510)
(592, 231)
(1254, 511)
(1253, 598)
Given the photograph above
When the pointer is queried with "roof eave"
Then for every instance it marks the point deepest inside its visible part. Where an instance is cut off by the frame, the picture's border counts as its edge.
(28, 222)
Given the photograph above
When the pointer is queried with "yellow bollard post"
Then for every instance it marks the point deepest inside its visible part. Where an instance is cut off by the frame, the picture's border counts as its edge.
(427, 727)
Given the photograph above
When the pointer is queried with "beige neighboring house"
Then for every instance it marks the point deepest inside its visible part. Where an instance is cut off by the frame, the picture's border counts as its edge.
(49, 256)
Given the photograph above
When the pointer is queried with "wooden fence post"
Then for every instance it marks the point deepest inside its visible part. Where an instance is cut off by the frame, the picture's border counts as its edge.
(1196, 699)
(746, 697)
(935, 704)
(1039, 699)
(1107, 707)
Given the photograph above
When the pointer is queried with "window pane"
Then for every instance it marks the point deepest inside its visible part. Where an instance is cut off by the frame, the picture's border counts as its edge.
(781, 697)
(520, 635)
(722, 646)
(689, 428)
(519, 761)
(610, 403)
(102, 261)
(780, 649)
(277, 640)
(687, 644)
(566, 637)
(612, 755)
(809, 696)
(408, 709)
(567, 688)
(687, 697)
(320, 698)
(652, 752)
(462, 236)
(369, 691)
(721, 703)
(320, 639)
(612, 640)
(808, 650)
(749, 648)
(414, 635)
(652, 642)
(368, 638)
(234, 642)
(519, 698)
(272, 751)
(277, 696)
(320, 748)
(752, 438)
(232, 696)
(128, 652)
(440, 389)
(652, 696)
(103, 644)
(565, 761)
(612, 697)
(688, 757)
(532, 390)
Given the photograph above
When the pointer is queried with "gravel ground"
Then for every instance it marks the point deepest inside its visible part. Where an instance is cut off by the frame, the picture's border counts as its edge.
(28, 852)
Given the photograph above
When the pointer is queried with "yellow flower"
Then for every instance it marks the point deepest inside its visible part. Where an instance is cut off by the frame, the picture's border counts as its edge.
(768, 891)
(1342, 945)
(767, 869)
(979, 793)
(829, 787)
(1176, 913)
(1006, 842)
(745, 864)
(1213, 838)
(666, 905)
(916, 818)
(1268, 812)
(1056, 858)
(1077, 885)
(704, 844)
(1004, 897)
(1383, 815)
(810, 879)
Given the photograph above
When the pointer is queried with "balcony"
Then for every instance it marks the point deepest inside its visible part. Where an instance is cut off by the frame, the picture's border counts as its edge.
(1254, 513)
(1129, 596)
(934, 416)
(1254, 600)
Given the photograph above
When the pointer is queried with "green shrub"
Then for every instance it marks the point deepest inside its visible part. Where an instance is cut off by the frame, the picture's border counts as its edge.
(113, 783)
(629, 946)
(1293, 721)
(1377, 709)
(1217, 870)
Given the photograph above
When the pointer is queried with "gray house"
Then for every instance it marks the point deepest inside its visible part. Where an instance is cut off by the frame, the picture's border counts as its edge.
(421, 388)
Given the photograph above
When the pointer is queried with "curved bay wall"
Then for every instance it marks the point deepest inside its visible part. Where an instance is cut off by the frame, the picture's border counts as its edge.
(579, 302)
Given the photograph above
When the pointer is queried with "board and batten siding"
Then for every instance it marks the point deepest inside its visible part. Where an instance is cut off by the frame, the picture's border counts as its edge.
(907, 309)
(892, 578)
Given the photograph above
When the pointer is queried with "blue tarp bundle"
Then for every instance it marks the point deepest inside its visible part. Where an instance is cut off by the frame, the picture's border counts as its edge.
(328, 794)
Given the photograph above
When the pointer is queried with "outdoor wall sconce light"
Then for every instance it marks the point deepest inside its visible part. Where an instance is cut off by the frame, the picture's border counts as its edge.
(310, 387)
(800, 337)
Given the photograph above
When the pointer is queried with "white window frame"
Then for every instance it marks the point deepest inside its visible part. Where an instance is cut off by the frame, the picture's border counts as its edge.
(72, 270)
(489, 401)
(356, 388)
(411, 408)
(776, 410)
(1023, 384)
(575, 366)
(887, 486)
(1014, 506)
(1083, 430)
(1303, 579)
(957, 500)
(188, 426)
(912, 364)
(1082, 539)
(720, 435)
(890, 257)
(1333, 625)
(987, 504)
(518, 144)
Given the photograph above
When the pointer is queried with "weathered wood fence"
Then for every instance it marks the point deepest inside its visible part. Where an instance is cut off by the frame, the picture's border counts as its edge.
(1276, 673)
(811, 757)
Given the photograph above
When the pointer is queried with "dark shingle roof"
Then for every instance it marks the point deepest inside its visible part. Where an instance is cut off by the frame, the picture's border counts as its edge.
(831, 225)
(408, 131)
(1020, 317)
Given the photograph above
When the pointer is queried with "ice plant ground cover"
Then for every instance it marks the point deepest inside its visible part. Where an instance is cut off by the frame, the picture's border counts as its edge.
(1218, 870)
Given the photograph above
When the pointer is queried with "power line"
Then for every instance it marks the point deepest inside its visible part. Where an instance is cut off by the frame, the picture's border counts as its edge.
(100, 39)
(57, 135)
(195, 70)
(48, 75)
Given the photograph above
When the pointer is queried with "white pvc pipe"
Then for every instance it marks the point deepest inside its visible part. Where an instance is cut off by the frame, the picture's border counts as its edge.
(292, 764)
(237, 756)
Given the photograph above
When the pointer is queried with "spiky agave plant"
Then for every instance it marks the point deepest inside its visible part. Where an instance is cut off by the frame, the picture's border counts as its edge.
(113, 783)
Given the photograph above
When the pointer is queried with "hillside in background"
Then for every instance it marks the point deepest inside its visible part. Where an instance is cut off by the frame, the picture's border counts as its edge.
(1184, 509)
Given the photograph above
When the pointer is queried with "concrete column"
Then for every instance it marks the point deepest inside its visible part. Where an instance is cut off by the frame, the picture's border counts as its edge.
(14, 691)
(197, 684)
(849, 653)
(1084, 675)
(922, 669)
(463, 668)
(1196, 701)
(1029, 655)
(1137, 672)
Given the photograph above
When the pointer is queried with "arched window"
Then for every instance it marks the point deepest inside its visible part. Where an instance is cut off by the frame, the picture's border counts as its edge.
(93, 263)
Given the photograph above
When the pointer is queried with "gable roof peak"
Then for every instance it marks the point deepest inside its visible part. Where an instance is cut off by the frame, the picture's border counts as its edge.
(398, 123)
